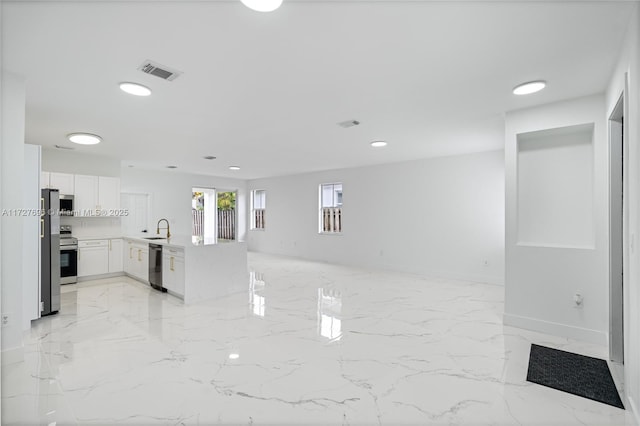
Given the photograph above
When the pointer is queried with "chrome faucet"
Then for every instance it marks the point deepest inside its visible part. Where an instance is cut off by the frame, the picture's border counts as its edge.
(167, 228)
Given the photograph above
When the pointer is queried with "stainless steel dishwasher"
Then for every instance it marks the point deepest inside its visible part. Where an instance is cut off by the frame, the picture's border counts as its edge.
(155, 266)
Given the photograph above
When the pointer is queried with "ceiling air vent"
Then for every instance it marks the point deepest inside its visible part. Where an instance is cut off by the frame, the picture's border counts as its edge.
(153, 68)
(64, 147)
(349, 123)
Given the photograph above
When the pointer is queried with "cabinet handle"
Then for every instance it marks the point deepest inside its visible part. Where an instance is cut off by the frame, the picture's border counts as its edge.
(139, 253)
(109, 245)
(130, 254)
(42, 206)
(172, 264)
(41, 228)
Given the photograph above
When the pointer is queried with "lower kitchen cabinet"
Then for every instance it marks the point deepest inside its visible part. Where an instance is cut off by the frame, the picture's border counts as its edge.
(173, 270)
(115, 255)
(93, 257)
(136, 260)
(98, 257)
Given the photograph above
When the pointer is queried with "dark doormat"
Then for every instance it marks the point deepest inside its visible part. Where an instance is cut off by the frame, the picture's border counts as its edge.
(577, 374)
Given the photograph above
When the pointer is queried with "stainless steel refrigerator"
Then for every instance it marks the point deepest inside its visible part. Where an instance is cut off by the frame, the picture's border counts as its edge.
(50, 252)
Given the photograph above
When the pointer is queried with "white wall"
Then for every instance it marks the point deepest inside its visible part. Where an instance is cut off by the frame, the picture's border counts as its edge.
(541, 279)
(629, 63)
(79, 163)
(170, 195)
(12, 159)
(442, 216)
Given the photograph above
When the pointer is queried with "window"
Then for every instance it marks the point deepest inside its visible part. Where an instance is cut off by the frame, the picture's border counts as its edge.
(331, 208)
(202, 214)
(226, 215)
(258, 204)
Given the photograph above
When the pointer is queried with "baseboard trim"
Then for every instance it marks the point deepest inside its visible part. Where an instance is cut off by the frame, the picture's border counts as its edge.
(631, 406)
(101, 276)
(11, 356)
(556, 329)
(133, 277)
(408, 269)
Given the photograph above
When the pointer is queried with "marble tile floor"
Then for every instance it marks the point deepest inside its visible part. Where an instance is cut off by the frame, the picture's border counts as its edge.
(307, 343)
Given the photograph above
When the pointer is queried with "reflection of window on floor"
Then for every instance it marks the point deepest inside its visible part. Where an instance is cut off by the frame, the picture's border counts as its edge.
(256, 293)
(329, 310)
(331, 208)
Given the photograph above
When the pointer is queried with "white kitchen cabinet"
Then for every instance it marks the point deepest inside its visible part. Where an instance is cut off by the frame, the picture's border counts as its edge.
(129, 260)
(93, 257)
(115, 255)
(86, 195)
(63, 182)
(108, 194)
(44, 180)
(143, 263)
(96, 195)
(173, 270)
(136, 260)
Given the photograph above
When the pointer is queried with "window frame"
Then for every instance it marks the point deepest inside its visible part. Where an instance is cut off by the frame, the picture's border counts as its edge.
(321, 213)
(252, 221)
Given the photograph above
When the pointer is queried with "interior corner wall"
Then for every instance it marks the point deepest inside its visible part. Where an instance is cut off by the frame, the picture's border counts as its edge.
(628, 68)
(440, 216)
(171, 191)
(12, 159)
(541, 279)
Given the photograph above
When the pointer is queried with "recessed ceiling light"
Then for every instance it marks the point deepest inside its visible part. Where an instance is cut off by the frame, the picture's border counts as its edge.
(234, 356)
(234, 168)
(262, 5)
(209, 157)
(378, 144)
(530, 87)
(84, 138)
(135, 89)
(172, 167)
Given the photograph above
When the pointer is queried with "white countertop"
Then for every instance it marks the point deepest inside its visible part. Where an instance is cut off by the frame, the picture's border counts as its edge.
(97, 237)
(179, 241)
(211, 270)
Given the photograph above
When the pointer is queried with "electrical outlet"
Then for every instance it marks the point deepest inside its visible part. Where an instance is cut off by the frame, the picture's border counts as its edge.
(6, 319)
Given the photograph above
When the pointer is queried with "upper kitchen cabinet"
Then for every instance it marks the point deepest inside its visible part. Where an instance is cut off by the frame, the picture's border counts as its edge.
(96, 195)
(86, 195)
(108, 194)
(63, 182)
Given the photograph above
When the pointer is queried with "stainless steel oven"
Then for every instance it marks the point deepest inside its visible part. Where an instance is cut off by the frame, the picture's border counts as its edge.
(68, 256)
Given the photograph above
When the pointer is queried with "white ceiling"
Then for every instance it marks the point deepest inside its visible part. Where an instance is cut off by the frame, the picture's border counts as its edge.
(265, 91)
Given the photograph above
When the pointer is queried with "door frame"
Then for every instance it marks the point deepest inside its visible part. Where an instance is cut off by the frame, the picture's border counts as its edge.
(618, 225)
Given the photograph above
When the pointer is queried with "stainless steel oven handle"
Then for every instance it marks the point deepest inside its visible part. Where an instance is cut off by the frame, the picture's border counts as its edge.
(67, 248)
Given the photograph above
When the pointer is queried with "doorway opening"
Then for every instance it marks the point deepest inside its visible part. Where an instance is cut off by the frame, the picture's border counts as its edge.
(617, 231)
(137, 219)
(226, 216)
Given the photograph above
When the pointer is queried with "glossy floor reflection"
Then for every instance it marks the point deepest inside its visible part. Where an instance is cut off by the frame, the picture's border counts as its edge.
(308, 343)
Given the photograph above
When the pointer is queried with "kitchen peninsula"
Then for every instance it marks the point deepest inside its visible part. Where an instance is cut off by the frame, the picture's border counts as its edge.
(194, 270)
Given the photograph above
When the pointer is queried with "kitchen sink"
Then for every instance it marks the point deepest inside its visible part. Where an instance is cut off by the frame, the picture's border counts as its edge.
(155, 238)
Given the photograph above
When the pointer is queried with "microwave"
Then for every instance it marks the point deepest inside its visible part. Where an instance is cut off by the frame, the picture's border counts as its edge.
(66, 205)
